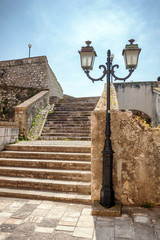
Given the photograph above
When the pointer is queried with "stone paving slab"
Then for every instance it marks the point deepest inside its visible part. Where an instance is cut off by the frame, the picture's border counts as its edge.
(22, 219)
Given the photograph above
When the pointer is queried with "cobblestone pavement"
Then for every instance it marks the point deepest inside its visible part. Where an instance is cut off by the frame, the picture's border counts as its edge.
(23, 219)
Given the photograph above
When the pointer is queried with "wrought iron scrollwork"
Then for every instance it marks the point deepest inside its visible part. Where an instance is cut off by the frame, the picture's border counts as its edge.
(105, 72)
(121, 79)
(97, 79)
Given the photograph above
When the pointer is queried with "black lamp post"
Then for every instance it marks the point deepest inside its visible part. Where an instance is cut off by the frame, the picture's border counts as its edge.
(87, 55)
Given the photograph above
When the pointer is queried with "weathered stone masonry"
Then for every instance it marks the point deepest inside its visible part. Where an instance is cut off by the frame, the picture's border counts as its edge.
(23, 78)
(135, 161)
(142, 96)
(27, 72)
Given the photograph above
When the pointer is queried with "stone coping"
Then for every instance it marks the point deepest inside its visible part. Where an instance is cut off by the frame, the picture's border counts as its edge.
(20, 61)
(7, 124)
(32, 99)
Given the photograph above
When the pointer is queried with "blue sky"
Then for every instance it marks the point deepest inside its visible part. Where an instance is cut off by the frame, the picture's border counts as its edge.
(58, 29)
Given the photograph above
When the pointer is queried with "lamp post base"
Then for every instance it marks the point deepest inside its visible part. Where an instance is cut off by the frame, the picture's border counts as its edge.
(107, 197)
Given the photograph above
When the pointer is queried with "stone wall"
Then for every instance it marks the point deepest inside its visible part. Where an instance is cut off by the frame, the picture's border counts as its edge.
(54, 86)
(26, 112)
(136, 158)
(137, 96)
(12, 96)
(8, 133)
(156, 106)
(26, 72)
(21, 79)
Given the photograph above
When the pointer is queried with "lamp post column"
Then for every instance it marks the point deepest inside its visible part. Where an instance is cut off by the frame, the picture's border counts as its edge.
(88, 54)
(107, 192)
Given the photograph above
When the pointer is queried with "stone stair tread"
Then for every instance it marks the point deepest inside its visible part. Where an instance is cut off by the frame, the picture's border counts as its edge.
(86, 196)
(46, 156)
(49, 147)
(45, 160)
(65, 134)
(57, 196)
(50, 153)
(80, 128)
(48, 181)
(72, 113)
(46, 170)
(61, 138)
(66, 131)
(64, 138)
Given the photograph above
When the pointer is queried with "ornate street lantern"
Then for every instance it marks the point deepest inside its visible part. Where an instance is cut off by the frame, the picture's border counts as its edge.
(87, 55)
(131, 54)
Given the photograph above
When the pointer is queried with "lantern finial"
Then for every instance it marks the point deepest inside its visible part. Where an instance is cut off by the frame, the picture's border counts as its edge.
(88, 43)
(131, 41)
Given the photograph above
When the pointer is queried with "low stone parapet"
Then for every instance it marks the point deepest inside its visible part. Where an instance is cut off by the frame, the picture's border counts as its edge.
(26, 111)
(8, 133)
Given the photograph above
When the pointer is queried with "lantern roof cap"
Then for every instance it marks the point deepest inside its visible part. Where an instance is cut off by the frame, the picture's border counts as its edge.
(88, 48)
(131, 45)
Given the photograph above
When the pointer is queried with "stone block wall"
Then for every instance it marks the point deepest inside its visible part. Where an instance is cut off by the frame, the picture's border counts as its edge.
(26, 112)
(54, 86)
(139, 96)
(8, 133)
(12, 96)
(26, 72)
(23, 78)
(136, 158)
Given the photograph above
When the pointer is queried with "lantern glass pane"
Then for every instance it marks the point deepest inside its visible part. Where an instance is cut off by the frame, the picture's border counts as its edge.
(87, 60)
(131, 58)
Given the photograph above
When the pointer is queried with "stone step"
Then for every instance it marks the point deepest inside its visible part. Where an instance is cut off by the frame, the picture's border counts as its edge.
(44, 195)
(67, 124)
(64, 138)
(64, 128)
(46, 155)
(50, 148)
(45, 184)
(84, 99)
(66, 135)
(70, 113)
(67, 118)
(73, 122)
(76, 103)
(46, 164)
(57, 174)
(74, 108)
(68, 130)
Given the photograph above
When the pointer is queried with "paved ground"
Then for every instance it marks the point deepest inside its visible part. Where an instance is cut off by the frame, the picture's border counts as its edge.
(36, 220)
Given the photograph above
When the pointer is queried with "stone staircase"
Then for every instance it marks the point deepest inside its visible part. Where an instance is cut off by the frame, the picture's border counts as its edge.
(70, 120)
(58, 172)
(46, 172)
